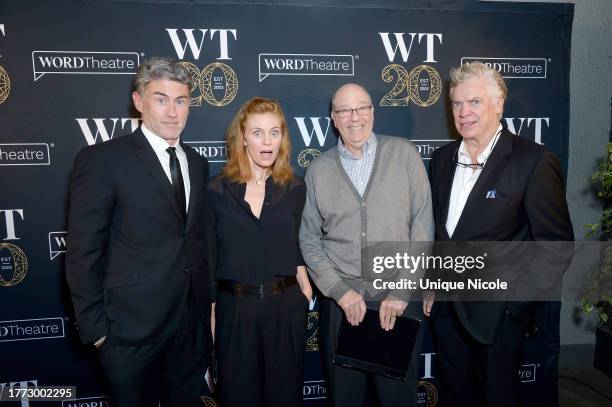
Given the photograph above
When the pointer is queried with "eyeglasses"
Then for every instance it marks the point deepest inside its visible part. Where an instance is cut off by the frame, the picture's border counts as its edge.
(361, 111)
(476, 165)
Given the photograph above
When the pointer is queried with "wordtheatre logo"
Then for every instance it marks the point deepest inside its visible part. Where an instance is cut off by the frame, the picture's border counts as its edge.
(13, 261)
(422, 84)
(514, 68)
(84, 62)
(527, 373)
(216, 83)
(522, 125)
(305, 65)
(23, 384)
(24, 154)
(100, 401)
(57, 243)
(314, 390)
(31, 329)
(312, 128)
(428, 146)
(213, 151)
(103, 129)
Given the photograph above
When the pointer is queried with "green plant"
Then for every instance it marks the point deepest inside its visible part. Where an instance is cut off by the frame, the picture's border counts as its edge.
(595, 298)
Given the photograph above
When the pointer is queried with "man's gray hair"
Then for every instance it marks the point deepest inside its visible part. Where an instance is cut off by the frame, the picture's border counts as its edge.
(476, 69)
(160, 68)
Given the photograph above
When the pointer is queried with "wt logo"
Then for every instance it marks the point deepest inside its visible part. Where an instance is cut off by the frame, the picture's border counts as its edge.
(427, 362)
(9, 220)
(400, 42)
(102, 131)
(537, 126)
(195, 45)
(315, 130)
(57, 243)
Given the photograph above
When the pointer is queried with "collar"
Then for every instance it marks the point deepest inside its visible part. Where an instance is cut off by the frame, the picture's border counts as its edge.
(159, 144)
(368, 148)
(484, 155)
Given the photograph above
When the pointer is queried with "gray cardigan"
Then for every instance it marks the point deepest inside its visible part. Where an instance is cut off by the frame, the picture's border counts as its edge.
(337, 223)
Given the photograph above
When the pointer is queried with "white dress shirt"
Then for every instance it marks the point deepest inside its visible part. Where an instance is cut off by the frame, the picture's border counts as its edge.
(464, 181)
(160, 146)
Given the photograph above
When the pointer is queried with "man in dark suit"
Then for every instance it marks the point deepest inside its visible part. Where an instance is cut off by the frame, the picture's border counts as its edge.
(489, 185)
(136, 262)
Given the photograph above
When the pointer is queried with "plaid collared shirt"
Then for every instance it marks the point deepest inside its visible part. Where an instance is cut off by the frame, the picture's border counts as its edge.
(359, 169)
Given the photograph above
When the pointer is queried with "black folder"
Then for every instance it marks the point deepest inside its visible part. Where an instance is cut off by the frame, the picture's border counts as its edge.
(370, 348)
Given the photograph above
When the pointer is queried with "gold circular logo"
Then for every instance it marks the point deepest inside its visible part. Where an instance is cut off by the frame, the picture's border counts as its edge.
(194, 73)
(305, 157)
(208, 401)
(218, 78)
(13, 264)
(430, 392)
(5, 85)
(395, 96)
(428, 84)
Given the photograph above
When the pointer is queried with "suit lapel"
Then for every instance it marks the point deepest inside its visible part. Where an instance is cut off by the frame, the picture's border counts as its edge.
(195, 180)
(487, 179)
(149, 159)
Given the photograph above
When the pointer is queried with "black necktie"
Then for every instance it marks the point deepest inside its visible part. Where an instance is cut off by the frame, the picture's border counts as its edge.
(177, 179)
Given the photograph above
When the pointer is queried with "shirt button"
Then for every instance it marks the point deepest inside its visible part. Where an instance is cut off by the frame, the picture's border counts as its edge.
(363, 234)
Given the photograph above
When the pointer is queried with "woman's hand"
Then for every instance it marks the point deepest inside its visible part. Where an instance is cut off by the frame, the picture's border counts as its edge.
(304, 282)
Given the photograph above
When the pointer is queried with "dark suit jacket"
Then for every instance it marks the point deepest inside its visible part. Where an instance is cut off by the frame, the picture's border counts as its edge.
(130, 253)
(530, 205)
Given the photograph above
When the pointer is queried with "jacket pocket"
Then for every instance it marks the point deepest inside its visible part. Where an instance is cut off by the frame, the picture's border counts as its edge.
(123, 279)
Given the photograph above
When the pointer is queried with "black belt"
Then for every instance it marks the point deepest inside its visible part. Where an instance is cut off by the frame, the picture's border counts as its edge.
(249, 290)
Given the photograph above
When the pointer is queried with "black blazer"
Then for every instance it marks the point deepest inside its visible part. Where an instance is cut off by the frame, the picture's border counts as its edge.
(131, 253)
(530, 205)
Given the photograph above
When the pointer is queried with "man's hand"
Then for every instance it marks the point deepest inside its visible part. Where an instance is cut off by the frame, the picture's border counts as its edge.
(428, 300)
(391, 309)
(353, 306)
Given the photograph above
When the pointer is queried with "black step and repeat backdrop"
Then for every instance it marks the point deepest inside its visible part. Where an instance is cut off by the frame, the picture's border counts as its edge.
(65, 75)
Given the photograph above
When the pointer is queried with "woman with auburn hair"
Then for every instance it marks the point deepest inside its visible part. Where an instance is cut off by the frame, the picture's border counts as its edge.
(263, 290)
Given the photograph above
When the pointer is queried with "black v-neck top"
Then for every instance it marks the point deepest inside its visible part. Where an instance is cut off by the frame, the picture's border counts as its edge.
(248, 250)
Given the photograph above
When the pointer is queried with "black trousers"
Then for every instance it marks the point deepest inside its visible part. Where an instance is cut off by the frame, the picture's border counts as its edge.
(260, 345)
(170, 372)
(347, 387)
(473, 374)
